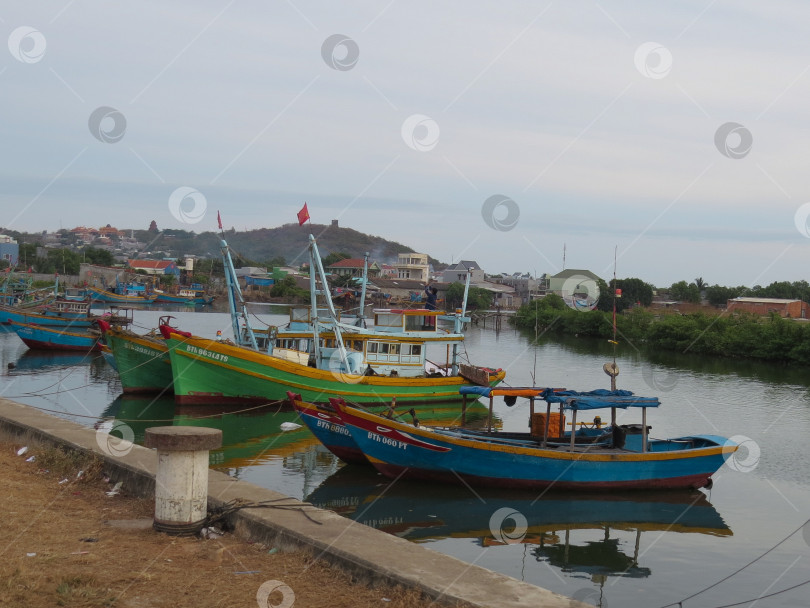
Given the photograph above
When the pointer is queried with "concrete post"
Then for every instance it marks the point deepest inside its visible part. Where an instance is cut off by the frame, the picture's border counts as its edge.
(181, 483)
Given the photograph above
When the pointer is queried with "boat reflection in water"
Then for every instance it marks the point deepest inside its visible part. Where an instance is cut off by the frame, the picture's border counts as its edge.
(35, 361)
(250, 436)
(546, 525)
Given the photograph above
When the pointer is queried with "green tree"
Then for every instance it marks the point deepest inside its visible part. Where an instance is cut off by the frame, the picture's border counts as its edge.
(477, 298)
(286, 287)
(685, 292)
(343, 280)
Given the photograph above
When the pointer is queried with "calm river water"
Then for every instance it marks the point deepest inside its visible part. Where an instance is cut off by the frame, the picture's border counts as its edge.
(622, 550)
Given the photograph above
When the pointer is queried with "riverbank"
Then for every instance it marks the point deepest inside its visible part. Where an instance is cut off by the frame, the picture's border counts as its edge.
(65, 542)
(718, 334)
(329, 548)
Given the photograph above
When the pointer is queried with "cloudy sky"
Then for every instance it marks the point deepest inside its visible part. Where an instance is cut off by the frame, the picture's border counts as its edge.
(677, 135)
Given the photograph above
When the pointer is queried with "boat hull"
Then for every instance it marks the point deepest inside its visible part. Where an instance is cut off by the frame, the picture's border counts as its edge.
(142, 362)
(100, 295)
(40, 337)
(398, 450)
(329, 429)
(198, 301)
(208, 371)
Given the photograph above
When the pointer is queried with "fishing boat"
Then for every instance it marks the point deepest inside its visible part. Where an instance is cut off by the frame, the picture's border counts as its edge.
(18, 294)
(58, 313)
(43, 337)
(324, 422)
(142, 361)
(127, 296)
(192, 296)
(321, 358)
(619, 457)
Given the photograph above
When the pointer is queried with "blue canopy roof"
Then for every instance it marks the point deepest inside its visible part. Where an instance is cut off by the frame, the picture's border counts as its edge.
(600, 398)
(571, 400)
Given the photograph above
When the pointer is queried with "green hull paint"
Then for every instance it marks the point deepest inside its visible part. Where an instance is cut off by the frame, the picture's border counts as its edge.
(143, 363)
(206, 371)
(248, 438)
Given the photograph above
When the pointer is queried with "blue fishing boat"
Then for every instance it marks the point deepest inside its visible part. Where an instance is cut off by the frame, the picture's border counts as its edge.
(43, 337)
(60, 313)
(126, 297)
(618, 457)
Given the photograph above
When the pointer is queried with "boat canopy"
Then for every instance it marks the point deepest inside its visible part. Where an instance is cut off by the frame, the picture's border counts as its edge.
(571, 400)
(598, 399)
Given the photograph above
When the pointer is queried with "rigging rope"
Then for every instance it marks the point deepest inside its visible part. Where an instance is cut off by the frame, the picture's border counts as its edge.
(756, 559)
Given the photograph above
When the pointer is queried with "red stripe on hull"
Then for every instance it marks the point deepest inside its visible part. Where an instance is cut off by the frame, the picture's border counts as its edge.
(691, 481)
(147, 390)
(38, 345)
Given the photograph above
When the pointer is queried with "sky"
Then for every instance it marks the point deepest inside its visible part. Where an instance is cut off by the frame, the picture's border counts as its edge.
(663, 142)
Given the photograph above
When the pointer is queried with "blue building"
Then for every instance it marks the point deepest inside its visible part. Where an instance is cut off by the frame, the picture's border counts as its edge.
(9, 249)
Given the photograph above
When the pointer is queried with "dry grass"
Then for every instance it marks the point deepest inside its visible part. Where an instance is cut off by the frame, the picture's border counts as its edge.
(62, 544)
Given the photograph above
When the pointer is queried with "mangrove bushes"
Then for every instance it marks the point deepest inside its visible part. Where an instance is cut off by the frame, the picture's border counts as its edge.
(737, 335)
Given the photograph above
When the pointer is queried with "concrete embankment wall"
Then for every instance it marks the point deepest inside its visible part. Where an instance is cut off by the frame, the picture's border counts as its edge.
(369, 555)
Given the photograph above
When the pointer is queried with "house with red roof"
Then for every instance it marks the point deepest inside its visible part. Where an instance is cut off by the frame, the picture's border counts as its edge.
(155, 266)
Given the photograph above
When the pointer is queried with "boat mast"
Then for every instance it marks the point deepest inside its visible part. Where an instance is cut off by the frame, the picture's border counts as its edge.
(458, 322)
(234, 293)
(361, 319)
(315, 262)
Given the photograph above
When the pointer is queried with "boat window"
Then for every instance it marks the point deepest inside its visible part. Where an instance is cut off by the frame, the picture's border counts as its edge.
(393, 349)
(416, 349)
(384, 348)
(413, 322)
(372, 347)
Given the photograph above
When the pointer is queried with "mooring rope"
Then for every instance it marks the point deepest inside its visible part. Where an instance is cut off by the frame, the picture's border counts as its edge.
(753, 561)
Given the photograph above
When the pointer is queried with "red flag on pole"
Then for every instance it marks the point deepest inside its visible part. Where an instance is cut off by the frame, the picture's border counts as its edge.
(219, 220)
(303, 215)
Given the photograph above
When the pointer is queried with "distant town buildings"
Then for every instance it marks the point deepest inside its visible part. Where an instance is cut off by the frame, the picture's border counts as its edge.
(458, 272)
(153, 267)
(353, 267)
(413, 266)
(9, 250)
(791, 309)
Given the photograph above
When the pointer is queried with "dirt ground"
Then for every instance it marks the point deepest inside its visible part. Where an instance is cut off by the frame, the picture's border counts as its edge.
(64, 542)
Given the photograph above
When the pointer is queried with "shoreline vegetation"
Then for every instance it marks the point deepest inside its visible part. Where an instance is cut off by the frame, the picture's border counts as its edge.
(736, 335)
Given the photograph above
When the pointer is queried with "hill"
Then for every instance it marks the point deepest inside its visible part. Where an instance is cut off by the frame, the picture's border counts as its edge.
(288, 242)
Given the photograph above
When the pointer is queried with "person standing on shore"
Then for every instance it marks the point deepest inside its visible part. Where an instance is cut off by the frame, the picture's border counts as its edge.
(430, 297)
(430, 304)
